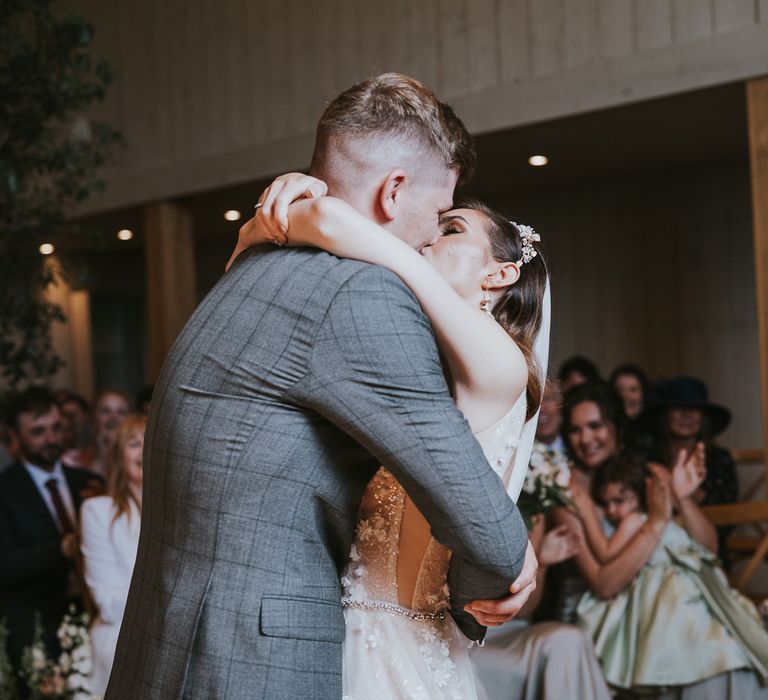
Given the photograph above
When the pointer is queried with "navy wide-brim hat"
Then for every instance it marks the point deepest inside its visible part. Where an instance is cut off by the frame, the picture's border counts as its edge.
(688, 392)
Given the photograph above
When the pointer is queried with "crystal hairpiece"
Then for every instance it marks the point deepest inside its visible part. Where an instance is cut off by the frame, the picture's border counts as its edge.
(528, 236)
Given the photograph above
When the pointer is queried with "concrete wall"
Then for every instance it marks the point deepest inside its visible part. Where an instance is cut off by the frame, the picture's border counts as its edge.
(214, 93)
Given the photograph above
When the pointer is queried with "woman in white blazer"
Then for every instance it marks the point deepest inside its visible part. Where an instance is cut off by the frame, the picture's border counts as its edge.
(109, 538)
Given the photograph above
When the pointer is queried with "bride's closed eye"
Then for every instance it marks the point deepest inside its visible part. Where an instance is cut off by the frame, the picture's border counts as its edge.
(450, 230)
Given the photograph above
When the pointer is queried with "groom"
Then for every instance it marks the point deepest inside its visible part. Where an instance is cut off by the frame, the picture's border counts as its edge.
(294, 379)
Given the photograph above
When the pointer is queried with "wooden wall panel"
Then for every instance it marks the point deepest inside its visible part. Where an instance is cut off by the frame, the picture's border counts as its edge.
(616, 30)
(547, 28)
(757, 117)
(654, 24)
(422, 30)
(691, 19)
(513, 31)
(453, 47)
(658, 271)
(482, 44)
(200, 84)
(734, 14)
(580, 29)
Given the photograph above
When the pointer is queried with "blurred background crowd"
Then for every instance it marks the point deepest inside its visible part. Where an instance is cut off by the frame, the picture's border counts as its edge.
(641, 454)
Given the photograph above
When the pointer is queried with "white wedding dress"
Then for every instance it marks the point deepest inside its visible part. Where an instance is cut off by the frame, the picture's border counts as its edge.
(413, 652)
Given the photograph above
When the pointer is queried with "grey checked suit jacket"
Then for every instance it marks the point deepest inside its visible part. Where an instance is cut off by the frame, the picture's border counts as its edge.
(294, 379)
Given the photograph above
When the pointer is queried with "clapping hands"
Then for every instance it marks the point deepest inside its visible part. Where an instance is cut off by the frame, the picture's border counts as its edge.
(560, 543)
(581, 499)
(689, 471)
(659, 494)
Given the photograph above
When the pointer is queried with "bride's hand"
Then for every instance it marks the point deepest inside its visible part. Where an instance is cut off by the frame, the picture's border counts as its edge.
(270, 222)
(286, 189)
(491, 613)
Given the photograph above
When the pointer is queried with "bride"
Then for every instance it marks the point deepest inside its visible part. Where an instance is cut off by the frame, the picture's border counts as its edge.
(482, 283)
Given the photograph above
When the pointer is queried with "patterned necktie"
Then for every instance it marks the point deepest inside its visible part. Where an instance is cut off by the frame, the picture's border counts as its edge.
(58, 505)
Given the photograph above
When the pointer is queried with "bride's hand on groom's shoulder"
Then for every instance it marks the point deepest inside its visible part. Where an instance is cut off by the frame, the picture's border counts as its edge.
(269, 224)
(272, 214)
(491, 613)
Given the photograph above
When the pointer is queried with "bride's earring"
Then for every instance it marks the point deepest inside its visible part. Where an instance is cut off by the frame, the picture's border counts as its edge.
(485, 302)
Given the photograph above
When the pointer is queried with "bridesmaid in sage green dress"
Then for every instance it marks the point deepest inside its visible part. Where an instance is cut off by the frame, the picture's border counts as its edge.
(665, 572)
(678, 622)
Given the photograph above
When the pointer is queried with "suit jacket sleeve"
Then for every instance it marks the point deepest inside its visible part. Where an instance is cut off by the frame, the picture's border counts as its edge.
(376, 374)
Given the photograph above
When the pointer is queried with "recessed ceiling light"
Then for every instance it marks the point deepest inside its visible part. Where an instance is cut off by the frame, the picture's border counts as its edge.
(538, 161)
(46, 249)
(125, 234)
(232, 215)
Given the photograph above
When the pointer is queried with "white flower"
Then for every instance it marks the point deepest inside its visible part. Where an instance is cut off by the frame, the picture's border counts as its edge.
(427, 634)
(83, 666)
(39, 661)
(81, 652)
(364, 530)
(77, 681)
(65, 663)
(442, 673)
(373, 639)
(354, 555)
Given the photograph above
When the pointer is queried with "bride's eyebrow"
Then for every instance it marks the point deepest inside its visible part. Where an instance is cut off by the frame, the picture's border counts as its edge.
(448, 219)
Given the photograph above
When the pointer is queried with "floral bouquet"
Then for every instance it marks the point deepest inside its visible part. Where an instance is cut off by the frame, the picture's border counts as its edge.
(66, 679)
(546, 483)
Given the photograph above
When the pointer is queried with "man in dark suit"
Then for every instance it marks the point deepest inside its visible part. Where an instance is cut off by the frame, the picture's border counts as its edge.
(39, 503)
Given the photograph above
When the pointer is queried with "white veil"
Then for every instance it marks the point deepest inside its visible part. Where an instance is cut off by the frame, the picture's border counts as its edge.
(541, 349)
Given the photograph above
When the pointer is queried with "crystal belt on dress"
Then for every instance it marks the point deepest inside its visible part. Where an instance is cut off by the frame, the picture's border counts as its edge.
(392, 608)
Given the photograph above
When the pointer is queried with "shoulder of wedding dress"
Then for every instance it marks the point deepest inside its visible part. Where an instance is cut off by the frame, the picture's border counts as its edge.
(518, 409)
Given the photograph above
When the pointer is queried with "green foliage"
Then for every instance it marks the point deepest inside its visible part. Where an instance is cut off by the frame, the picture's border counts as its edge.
(35, 665)
(8, 686)
(50, 156)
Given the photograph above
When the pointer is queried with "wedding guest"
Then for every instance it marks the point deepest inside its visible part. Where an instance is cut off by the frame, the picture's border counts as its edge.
(110, 407)
(577, 370)
(6, 448)
(682, 414)
(39, 502)
(76, 408)
(593, 429)
(550, 419)
(631, 384)
(109, 539)
(593, 421)
(546, 660)
(678, 622)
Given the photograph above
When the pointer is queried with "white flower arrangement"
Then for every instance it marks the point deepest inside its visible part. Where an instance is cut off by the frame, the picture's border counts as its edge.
(68, 678)
(546, 483)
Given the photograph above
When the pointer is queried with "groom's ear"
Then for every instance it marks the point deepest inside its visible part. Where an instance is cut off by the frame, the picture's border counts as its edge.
(391, 193)
(505, 275)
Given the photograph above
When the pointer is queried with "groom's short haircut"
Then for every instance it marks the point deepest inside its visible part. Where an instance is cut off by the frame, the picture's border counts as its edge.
(392, 104)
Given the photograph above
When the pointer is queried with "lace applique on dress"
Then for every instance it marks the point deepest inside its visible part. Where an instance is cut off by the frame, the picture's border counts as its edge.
(371, 573)
(376, 622)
